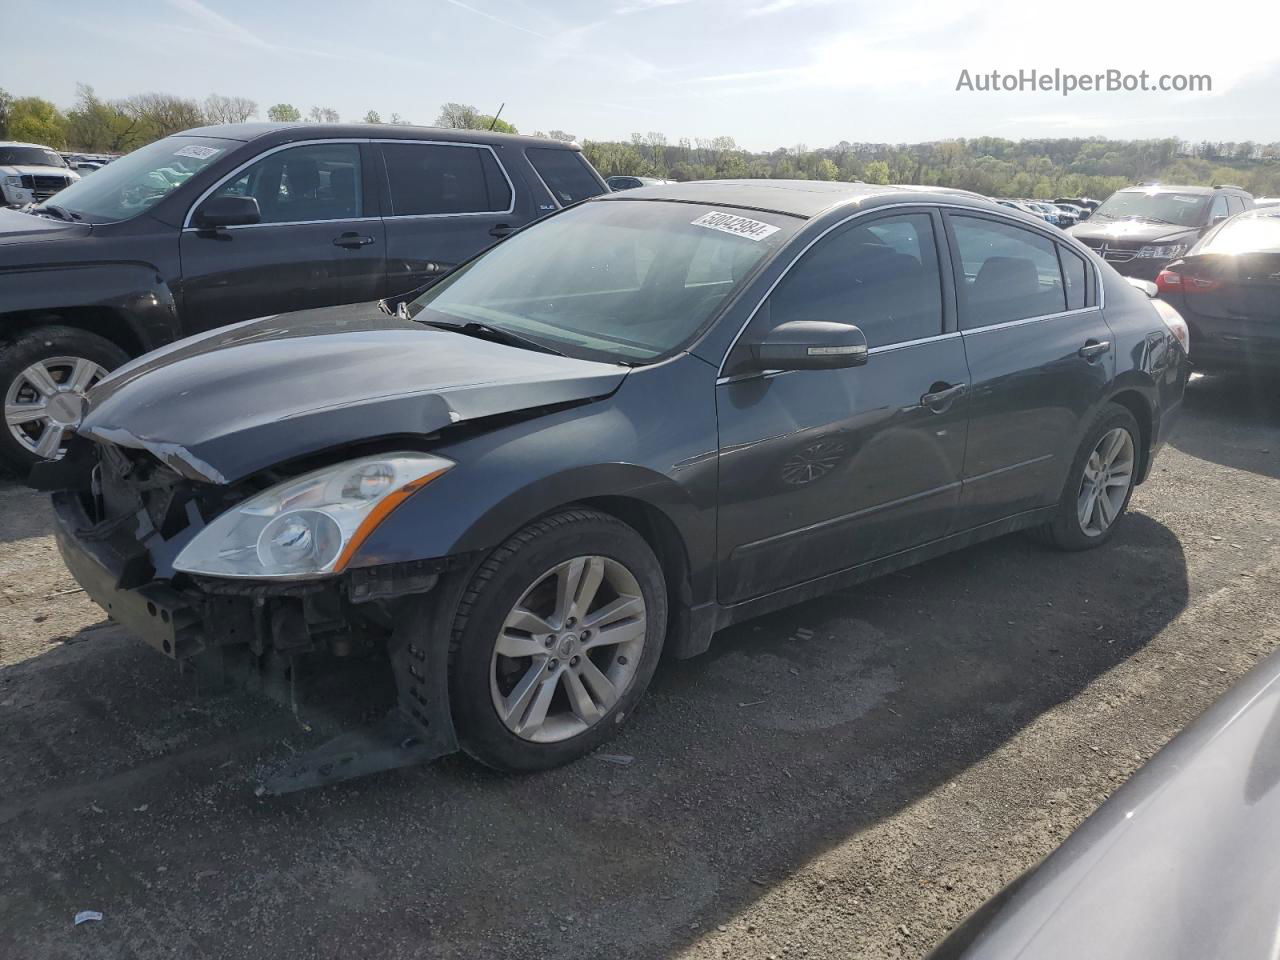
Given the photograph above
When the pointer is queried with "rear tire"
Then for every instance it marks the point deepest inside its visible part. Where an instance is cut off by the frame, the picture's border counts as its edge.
(1099, 483)
(555, 640)
(63, 353)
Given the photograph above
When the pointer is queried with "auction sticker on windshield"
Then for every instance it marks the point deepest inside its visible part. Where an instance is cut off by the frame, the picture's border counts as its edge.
(738, 226)
(196, 152)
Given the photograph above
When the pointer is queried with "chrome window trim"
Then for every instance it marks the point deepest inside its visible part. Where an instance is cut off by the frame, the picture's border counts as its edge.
(186, 222)
(1041, 318)
(467, 213)
(925, 204)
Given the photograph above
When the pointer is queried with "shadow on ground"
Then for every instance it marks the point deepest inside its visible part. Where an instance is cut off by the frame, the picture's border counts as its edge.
(122, 790)
(1222, 414)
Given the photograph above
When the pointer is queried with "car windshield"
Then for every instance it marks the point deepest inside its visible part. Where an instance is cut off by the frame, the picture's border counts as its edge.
(136, 182)
(624, 281)
(29, 157)
(1249, 233)
(1183, 209)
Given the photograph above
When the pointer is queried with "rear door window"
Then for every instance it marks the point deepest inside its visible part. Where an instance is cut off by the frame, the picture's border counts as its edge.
(1006, 273)
(434, 179)
(566, 174)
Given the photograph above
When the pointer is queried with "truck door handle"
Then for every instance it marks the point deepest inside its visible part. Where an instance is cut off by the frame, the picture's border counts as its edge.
(938, 399)
(1093, 349)
(501, 230)
(352, 241)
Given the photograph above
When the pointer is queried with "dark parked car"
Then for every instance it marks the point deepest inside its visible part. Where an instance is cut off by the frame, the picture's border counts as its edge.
(228, 223)
(1179, 864)
(641, 420)
(1227, 288)
(1140, 229)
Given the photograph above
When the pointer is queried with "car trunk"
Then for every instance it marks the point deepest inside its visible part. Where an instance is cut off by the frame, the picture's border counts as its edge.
(1233, 305)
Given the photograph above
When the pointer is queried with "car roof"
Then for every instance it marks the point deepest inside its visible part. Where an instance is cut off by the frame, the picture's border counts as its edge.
(360, 131)
(21, 143)
(1178, 188)
(798, 198)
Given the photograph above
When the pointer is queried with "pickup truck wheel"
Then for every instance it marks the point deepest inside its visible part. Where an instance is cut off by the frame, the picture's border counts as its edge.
(44, 375)
(555, 640)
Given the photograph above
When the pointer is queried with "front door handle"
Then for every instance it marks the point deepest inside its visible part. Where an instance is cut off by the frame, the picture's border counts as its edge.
(352, 241)
(501, 230)
(1093, 349)
(938, 399)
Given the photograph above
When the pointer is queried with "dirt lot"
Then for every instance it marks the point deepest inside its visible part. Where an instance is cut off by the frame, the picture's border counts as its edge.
(844, 779)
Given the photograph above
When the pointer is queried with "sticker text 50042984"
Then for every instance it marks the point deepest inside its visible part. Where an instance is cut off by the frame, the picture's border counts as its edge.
(755, 230)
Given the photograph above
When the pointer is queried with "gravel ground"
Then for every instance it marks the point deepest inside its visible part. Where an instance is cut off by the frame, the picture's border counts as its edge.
(847, 778)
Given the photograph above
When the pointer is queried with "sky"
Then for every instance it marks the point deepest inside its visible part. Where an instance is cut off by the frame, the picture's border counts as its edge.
(769, 73)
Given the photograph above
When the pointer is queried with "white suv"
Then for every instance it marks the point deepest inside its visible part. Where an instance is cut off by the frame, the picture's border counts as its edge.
(30, 173)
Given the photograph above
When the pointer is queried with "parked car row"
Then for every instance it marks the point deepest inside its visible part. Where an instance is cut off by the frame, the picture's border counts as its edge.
(1059, 213)
(222, 224)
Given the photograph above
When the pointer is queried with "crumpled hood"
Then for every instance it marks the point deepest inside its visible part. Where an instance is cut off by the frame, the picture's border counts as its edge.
(226, 404)
(1132, 231)
(17, 227)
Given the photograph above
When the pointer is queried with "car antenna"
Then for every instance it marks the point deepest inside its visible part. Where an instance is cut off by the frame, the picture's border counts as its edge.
(494, 122)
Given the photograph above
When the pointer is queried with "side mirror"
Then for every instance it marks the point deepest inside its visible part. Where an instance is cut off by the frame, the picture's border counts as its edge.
(227, 211)
(810, 345)
(1085, 214)
(1146, 286)
(1218, 219)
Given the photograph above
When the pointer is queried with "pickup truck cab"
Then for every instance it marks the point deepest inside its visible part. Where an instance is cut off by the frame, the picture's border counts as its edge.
(222, 224)
(30, 173)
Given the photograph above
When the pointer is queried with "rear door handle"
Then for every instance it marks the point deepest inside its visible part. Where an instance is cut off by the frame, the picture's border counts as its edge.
(352, 241)
(501, 230)
(1093, 349)
(937, 398)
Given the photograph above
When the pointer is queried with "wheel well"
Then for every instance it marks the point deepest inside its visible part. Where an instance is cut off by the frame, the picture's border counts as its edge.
(1136, 404)
(668, 545)
(103, 321)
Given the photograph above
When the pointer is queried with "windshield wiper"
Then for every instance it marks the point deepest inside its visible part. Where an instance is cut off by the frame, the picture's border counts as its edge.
(62, 212)
(483, 331)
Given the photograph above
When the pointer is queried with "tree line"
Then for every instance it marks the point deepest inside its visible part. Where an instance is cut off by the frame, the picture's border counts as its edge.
(1041, 168)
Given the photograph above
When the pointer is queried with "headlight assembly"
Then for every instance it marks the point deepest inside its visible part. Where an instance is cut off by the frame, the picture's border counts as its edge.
(309, 526)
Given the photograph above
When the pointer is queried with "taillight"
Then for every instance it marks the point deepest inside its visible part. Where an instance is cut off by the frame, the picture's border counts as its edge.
(1171, 281)
(1177, 326)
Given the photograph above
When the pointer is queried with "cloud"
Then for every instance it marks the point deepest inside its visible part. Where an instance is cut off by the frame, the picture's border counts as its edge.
(643, 6)
(509, 24)
(219, 24)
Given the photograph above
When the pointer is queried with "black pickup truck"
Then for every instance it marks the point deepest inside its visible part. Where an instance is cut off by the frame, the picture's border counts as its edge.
(223, 224)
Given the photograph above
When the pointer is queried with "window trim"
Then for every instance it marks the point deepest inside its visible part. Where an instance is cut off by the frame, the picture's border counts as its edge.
(386, 179)
(186, 221)
(939, 209)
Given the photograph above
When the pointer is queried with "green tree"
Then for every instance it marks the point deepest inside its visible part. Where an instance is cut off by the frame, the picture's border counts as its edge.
(6, 102)
(102, 127)
(35, 120)
(284, 113)
(372, 117)
(497, 126)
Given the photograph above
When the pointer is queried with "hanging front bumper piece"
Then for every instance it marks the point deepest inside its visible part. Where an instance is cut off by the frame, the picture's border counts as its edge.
(369, 641)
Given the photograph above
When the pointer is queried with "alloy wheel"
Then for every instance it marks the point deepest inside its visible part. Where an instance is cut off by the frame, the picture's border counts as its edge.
(568, 650)
(1108, 475)
(46, 400)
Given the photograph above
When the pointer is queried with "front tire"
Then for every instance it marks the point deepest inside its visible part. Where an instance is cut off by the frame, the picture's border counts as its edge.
(1099, 484)
(555, 640)
(44, 375)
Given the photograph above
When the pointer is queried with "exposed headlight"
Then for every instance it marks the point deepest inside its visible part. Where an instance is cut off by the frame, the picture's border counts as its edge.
(311, 525)
(13, 181)
(1164, 251)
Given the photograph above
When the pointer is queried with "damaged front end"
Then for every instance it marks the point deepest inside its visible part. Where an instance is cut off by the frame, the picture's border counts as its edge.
(351, 642)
